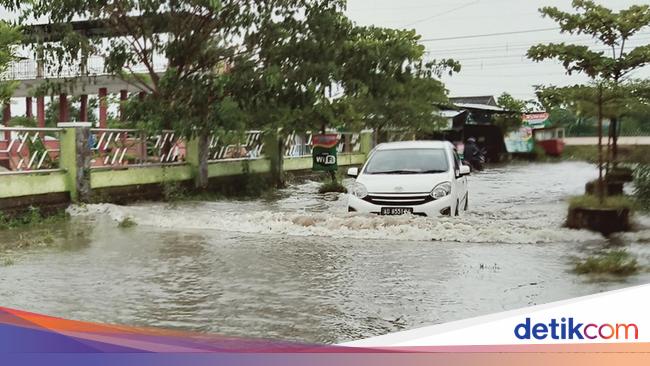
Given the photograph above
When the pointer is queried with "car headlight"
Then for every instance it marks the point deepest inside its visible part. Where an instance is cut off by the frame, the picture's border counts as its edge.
(358, 190)
(441, 190)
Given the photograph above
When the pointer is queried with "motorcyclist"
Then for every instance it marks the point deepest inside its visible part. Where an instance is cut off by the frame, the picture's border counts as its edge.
(472, 154)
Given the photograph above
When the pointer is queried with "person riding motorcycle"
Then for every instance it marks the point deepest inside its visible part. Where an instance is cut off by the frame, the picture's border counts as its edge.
(473, 154)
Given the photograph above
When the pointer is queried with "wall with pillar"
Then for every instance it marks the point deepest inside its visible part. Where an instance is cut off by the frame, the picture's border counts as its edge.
(79, 182)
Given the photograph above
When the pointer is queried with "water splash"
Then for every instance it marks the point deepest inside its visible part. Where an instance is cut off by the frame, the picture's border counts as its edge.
(480, 227)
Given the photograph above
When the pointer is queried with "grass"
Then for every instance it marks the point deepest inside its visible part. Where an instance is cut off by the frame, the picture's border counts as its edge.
(639, 154)
(332, 186)
(173, 191)
(614, 262)
(642, 187)
(126, 223)
(610, 202)
(6, 262)
(32, 217)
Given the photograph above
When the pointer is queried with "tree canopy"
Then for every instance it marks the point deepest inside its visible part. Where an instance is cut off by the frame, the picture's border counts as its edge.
(9, 38)
(210, 66)
(612, 29)
(512, 119)
(609, 67)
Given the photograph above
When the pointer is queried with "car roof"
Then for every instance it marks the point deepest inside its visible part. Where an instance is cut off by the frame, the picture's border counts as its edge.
(413, 145)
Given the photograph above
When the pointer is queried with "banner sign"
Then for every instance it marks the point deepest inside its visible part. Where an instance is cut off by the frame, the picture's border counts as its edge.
(324, 152)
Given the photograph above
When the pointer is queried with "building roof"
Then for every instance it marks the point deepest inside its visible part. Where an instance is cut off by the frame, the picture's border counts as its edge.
(482, 107)
(481, 99)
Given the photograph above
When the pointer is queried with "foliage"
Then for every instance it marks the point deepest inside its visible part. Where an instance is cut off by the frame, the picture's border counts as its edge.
(9, 39)
(173, 191)
(574, 109)
(642, 186)
(615, 262)
(32, 216)
(512, 119)
(126, 222)
(23, 121)
(388, 84)
(6, 262)
(332, 187)
(609, 202)
(639, 154)
(282, 64)
(612, 29)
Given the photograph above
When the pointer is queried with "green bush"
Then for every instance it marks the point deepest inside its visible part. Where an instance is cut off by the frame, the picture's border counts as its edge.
(126, 223)
(332, 186)
(642, 187)
(615, 262)
(32, 216)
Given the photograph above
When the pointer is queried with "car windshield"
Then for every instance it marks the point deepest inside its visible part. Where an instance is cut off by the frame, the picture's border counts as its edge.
(408, 161)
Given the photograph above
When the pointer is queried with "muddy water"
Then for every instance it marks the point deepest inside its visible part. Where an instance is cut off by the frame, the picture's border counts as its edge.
(298, 266)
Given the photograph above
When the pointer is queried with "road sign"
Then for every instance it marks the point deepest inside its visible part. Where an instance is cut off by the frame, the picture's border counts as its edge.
(324, 152)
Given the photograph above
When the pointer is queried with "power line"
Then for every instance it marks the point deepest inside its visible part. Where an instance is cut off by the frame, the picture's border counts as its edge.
(444, 13)
(489, 34)
(524, 46)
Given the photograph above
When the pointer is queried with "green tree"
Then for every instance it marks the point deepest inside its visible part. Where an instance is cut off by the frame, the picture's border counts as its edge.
(511, 119)
(331, 73)
(199, 41)
(9, 38)
(613, 30)
(388, 84)
(599, 99)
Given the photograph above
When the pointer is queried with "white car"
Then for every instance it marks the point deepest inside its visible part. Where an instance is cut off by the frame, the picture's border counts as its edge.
(425, 178)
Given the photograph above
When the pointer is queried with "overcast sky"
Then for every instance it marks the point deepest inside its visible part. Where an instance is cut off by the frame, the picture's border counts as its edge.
(494, 64)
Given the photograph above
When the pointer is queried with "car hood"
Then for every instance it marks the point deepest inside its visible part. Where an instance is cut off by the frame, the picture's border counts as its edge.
(402, 183)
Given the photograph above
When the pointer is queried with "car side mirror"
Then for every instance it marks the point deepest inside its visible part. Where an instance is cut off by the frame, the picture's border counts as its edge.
(353, 172)
(465, 170)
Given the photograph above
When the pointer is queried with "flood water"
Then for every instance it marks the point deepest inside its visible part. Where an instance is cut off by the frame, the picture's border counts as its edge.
(298, 266)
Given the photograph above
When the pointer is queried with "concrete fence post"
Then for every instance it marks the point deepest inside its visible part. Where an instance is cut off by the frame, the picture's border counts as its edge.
(366, 141)
(192, 156)
(274, 151)
(75, 159)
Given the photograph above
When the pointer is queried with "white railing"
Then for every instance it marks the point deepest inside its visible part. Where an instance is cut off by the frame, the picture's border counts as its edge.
(28, 150)
(300, 145)
(118, 148)
(95, 66)
(248, 146)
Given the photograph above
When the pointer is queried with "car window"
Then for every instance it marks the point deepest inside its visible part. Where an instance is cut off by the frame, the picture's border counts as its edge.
(408, 161)
(457, 162)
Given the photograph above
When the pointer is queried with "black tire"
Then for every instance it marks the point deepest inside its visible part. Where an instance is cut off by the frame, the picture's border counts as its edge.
(466, 202)
(457, 213)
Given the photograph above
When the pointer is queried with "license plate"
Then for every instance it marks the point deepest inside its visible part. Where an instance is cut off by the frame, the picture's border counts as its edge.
(390, 211)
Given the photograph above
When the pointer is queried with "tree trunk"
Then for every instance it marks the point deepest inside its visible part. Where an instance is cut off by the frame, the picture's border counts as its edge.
(601, 188)
(614, 136)
(204, 153)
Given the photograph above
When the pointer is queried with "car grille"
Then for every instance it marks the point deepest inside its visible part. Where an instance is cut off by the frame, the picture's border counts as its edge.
(412, 199)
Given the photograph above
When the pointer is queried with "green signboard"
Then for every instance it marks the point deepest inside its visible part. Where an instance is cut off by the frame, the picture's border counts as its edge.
(324, 153)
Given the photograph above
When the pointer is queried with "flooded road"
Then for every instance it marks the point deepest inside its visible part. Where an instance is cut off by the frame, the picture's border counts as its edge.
(298, 266)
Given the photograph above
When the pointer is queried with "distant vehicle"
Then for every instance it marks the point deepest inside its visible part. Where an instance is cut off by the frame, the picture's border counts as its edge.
(425, 178)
